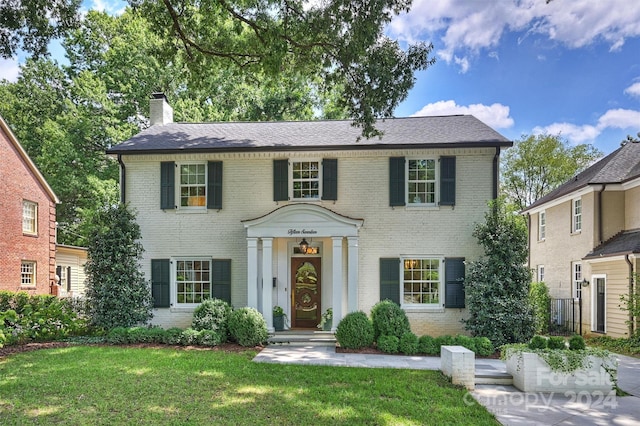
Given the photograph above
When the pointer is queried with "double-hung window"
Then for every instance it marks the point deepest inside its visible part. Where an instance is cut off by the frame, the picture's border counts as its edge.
(421, 181)
(193, 185)
(29, 217)
(577, 279)
(576, 215)
(542, 226)
(193, 280)
(28, 274)
(422, 281)
(305, 180)
(540, 273)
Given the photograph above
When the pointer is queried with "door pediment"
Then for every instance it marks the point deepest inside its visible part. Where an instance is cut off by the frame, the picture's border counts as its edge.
(302, 220)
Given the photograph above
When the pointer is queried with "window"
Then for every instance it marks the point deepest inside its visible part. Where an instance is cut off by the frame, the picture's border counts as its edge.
(193, 185)
(305, 179)
(193, 280)
(542, 225)
(421, 281)
(28, 274)
(29, 217)
(576, 215)
(540, 273)
(577, 280)
(421, 181)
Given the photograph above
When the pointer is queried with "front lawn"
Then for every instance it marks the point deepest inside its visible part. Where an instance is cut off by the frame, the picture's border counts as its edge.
(143, 386)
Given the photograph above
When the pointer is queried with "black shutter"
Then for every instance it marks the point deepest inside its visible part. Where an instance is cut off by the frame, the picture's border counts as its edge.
(160, 282)
(447, 181)
(396, 181)
(167, 182)
(329, 179)
(454, 282)
(280, 180)
(221, 279)
(68, 278)
(214, 185)
(59, 274)
(390, 279)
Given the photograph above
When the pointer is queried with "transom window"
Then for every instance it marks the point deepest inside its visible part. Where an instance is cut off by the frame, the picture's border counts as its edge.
(193, 280)
(29, 217)
(28, 273)
(421, 181)
(577, 215)
(305, 179)
(421, 281)
(577, 280)
(193, 185)
(542, 226)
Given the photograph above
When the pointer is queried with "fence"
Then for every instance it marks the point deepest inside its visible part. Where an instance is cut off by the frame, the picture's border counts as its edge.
(565, 317)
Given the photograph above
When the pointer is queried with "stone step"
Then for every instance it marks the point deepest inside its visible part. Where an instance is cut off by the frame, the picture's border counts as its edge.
(302, 338)
(493, 378)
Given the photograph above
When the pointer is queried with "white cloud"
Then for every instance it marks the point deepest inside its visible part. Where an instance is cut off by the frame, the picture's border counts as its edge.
(9, 69)
(612, 119)
(495, 115)
(469, 26)
(112, 7)
(633, 90)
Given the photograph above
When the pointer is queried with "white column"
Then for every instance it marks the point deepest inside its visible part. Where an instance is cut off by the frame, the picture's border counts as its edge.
(352, 278)
(252, 273)
(267, 274)
(337, 282)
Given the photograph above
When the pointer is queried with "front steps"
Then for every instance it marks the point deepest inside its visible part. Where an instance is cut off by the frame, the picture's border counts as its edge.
(302, 338)
(493, 378)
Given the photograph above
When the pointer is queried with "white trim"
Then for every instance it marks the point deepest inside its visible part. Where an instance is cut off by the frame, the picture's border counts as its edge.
(604, 259)
(568, 197)
(631, 184)
(594, 292)
(574, 216)
(540, 228)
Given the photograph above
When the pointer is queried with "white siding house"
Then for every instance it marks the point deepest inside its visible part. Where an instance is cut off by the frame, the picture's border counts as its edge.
(226, 210)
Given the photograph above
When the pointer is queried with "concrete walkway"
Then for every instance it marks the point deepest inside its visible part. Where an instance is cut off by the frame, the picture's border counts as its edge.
(508, 404)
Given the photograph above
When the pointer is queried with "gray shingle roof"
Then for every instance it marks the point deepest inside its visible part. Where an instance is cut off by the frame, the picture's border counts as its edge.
(620, 166)
(625, 242)
(430, 132)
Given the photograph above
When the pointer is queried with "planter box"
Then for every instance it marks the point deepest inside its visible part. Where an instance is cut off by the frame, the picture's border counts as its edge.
(278, 323)
(532, 374)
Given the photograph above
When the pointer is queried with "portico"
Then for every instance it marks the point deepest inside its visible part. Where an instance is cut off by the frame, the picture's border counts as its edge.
(272, 245)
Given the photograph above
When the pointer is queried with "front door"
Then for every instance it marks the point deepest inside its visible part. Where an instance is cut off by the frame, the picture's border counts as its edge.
(305, 284)
(600, 304)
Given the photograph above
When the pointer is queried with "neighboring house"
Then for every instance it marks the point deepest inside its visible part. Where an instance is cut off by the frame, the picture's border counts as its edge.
(305, 216)
(70, 261)
(27, 221)
(584, 239)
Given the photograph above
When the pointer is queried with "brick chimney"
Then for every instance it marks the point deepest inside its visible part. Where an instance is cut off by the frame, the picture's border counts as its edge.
(160, 112)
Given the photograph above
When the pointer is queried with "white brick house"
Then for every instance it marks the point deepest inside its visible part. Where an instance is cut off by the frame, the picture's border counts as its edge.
(224, 209)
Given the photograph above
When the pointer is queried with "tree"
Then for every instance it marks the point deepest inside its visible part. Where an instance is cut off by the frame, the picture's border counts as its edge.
(338, 42)
(497, 286)
(31, 24)
(117, 293)
(538, 164)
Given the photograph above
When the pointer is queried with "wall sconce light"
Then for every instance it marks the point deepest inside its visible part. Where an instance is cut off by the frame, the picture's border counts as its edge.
(585, 283)
(304, 245)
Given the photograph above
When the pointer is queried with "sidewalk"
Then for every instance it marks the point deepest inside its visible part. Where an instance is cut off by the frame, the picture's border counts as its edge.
(508, 404)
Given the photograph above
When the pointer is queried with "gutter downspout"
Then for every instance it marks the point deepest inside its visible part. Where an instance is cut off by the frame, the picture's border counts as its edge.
(529, 241)
(123, 180)
(632, 300)
(495, 172)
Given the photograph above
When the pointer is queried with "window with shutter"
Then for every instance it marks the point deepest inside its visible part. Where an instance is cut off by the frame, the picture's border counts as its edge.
(396, 181)
(280, 180)
(214, 185)
(447, 181)
(454, 277)
(330, 179)
(167, 185)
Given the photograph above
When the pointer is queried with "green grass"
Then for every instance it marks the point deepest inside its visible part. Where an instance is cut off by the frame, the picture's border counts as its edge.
(113, 385)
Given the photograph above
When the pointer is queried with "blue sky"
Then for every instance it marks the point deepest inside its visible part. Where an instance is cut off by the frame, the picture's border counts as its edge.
(570, 67)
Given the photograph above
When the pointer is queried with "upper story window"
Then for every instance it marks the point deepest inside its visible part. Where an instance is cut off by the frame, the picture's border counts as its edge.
(542, 226)
(193, 185)
(28, 274)
(29, 217)
(577, 279)
(421, 181)
(576, 214)
(421, 282)
(305, 179)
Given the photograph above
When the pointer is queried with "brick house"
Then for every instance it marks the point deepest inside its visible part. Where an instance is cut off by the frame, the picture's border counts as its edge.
(305, 216)
(27, 220)
(584, 240)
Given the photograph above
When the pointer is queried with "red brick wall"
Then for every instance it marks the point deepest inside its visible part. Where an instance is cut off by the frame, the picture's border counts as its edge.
(18, 183)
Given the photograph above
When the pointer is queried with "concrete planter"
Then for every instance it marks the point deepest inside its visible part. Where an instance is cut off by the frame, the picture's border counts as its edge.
(531, 373)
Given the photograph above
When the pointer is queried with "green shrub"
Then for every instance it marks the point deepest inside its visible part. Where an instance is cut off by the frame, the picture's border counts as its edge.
(427, 345)
(465, 341)
(484, 347)
(388, 344)
(389, 319)
(117, 336)
(537, 342)
(212, 314)
(408, 344)
(189, 337)
(576, 343)
(172, 336)
(145, 335)
(540, 301)
(445, 340)
(248, 327)
(209, 338)
(556, 342)
(355, 331)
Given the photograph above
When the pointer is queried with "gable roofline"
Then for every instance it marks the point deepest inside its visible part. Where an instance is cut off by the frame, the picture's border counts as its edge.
(27, 160)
